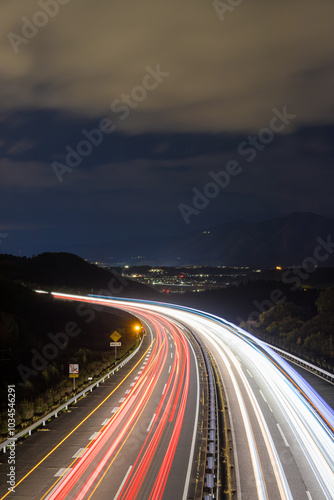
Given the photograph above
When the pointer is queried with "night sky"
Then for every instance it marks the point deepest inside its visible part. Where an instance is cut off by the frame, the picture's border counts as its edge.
(147, 117)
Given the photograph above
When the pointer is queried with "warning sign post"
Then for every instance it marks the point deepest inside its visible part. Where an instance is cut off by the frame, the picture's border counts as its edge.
(115, 336)
(73, 372)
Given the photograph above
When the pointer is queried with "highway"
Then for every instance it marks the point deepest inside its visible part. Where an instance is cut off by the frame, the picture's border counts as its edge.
(138, 442)
(283, 432)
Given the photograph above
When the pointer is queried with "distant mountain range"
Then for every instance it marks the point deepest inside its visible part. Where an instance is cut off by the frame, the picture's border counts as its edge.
(282, 241)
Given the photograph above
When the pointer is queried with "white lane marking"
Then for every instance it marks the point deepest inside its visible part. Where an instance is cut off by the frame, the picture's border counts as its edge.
(191, 454)
(164, 388)
(136, 378)
(121, 400)
(127, 392)
(94, 436)
(283, 437)
(227, 356)
(308, 494)
(249, 373)
(105, 421)
(133, 383)
(123, 482)
(139, 372)
(149, 427)
(61, 472)
(171, 345)
(170, 369)
(79, 452)
(171, 354)
(114, 409)
(264, 399)
(269, 407)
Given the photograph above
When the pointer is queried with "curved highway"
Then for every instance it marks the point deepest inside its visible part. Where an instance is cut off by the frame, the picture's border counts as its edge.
(145, 447)
(283, 432)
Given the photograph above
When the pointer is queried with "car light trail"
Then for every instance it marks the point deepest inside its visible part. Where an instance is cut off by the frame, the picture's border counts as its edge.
(35, 467)
(131, 488)
(84, 478)
(118, 428)
(307, 421)
(312, 429)
(282, 484)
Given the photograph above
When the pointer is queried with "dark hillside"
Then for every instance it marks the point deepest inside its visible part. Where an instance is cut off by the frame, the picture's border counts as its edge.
(68, 272)
(40, 336)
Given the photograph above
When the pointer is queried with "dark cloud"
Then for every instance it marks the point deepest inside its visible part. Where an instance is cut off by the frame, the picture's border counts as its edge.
(223, 75)
(184, 90)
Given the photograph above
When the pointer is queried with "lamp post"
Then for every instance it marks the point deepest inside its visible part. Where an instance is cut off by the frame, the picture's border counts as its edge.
(137, 329)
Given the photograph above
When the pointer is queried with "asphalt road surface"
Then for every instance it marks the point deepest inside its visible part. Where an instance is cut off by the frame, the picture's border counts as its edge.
(283, 431)
(134, 437)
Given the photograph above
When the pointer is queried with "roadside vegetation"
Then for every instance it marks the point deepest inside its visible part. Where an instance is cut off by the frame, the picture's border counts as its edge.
(35, 350)
(294, 329)
(300, 321)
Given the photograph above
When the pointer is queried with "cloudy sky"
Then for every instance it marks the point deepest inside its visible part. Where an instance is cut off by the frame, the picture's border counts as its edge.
(117, 118)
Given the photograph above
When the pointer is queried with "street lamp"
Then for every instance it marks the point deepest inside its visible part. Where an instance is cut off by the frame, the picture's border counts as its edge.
(137, 329)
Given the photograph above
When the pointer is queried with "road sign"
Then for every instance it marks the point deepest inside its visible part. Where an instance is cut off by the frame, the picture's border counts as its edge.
(115, 336)
(115, 344)
(73, 370)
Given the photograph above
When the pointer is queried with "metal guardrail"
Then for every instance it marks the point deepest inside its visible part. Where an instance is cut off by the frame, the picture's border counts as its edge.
(304, 364)
(54, 413)
(213, 450)
(212, 466)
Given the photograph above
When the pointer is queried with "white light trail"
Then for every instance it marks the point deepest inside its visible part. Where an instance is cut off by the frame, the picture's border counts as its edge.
(302, 414)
